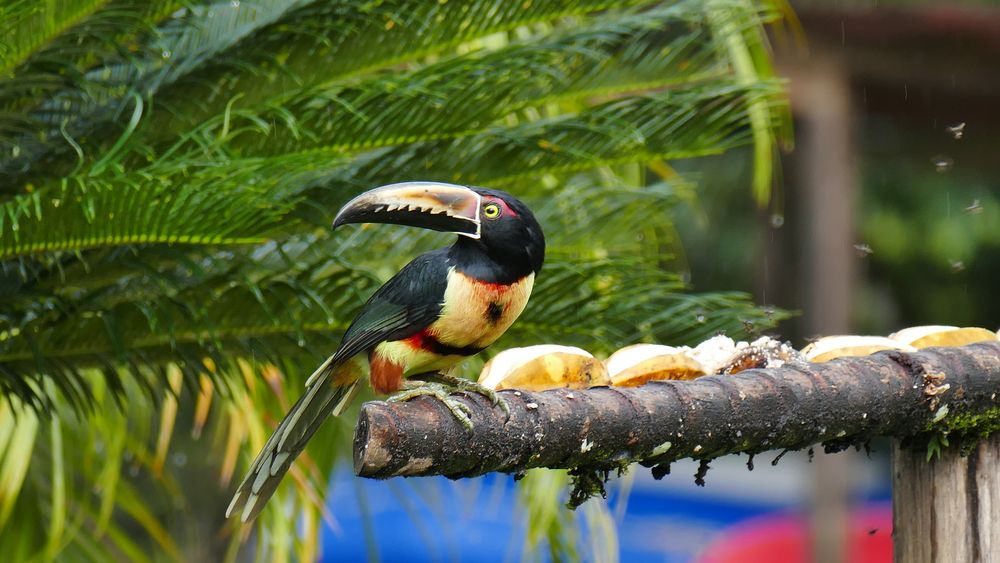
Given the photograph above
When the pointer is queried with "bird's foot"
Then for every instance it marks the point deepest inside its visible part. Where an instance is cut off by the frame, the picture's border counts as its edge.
(468, 386)
(412, 389)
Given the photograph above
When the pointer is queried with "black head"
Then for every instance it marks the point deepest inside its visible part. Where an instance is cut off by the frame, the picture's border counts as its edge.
(509, 232)
(490, 222)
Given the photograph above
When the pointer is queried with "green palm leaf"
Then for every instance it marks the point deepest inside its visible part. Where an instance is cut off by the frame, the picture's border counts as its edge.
(229, 203)
(31, 26)
(468, 93)
(322, 42)
(95, 97)
(700, 121)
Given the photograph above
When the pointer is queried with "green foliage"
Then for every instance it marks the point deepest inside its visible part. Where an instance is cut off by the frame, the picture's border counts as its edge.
(477, 89)
(30, 28)
(171, 169)
(235, 202)
(933, 236)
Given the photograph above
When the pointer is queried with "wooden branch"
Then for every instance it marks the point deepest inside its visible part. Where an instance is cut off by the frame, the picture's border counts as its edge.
(840, 403)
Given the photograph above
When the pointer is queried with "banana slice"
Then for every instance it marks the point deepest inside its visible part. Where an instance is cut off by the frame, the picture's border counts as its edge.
(936, 335)
(546, 366)
(634, 365)
(831, 347)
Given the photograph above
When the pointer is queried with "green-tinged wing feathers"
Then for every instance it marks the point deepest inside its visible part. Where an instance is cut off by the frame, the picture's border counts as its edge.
(406, 304)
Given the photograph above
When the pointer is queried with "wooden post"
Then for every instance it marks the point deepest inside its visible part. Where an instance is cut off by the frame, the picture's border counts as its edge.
(828, 186)
(948, 509)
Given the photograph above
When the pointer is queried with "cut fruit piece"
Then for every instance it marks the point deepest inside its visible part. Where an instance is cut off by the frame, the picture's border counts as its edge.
(637, 364)
(546, 366)
(936, 335)
(832, 347)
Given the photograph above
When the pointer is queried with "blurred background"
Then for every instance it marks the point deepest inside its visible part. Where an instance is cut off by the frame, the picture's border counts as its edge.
(168, 278)
(888, 216)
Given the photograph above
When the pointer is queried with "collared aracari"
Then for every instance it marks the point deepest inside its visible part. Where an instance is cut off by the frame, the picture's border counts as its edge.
(442, 307)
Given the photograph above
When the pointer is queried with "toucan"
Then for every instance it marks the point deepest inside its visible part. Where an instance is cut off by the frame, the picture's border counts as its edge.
(442, 307)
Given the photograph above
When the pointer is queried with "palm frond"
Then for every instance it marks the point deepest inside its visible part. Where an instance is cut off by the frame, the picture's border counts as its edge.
(220, 321)
(738, 27)
(32, 26)
(468, 93)
(63, 41)
(550, 524)
(18, 428)
(64, 504)
(236, 202)
(674, 124)
(320, 42)
(99, 95)
(92, 33)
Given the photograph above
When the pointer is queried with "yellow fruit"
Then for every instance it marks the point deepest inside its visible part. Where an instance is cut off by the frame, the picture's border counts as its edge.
(546, 366)
(832, 347)
(927, 336)
(637, 364)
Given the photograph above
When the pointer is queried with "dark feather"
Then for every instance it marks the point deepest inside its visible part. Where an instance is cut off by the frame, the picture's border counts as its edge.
(407, 303)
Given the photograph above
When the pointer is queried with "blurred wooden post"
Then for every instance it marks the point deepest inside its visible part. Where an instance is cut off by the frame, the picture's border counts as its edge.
(827, 184)
(948, 509)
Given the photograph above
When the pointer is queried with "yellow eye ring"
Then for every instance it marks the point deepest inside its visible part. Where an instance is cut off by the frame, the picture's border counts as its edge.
(491, 211)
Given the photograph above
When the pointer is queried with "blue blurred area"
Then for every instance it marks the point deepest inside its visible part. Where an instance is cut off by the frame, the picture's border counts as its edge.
(672, 520)
(423, 519)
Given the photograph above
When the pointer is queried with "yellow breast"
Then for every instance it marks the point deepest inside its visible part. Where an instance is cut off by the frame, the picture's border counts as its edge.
(476, 313)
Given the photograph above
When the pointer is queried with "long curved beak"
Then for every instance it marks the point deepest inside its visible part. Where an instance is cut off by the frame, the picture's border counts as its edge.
(428, 205)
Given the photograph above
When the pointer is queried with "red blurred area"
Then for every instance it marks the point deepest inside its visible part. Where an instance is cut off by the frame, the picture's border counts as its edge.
(785, 539)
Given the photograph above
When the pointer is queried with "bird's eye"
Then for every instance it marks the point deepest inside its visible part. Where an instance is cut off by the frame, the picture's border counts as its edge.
(491, 211)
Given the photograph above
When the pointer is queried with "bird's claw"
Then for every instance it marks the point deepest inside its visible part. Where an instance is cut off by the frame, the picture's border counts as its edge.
(462, 384)
(458, 409)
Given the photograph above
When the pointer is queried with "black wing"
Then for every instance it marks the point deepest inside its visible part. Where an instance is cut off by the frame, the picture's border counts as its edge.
(407, 303)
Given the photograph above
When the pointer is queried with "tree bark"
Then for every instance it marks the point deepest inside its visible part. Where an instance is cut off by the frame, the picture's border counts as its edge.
(947, 509)
(840, 403)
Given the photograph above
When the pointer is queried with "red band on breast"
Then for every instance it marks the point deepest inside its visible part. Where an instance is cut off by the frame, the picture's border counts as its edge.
(424, 340)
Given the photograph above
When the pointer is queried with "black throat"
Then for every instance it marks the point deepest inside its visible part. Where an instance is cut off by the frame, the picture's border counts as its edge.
(493, 265)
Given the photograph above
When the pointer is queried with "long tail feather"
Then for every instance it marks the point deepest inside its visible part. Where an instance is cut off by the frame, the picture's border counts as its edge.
(328, 392)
